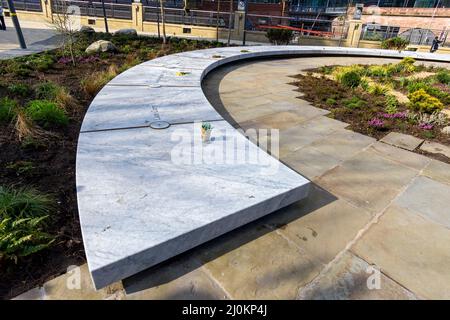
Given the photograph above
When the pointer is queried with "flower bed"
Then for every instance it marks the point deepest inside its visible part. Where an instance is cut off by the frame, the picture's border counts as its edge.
(376, 100)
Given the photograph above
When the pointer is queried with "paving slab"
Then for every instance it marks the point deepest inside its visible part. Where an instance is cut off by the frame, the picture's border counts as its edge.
(321, 224)
(428, 198)
(411, 250)
(180, 278)
(266, 267)
(348, 280)
(434, 147)
(367, 180)
(310, 162)
(438, 170)
(159, 196)
(402, 140)
(404, 157)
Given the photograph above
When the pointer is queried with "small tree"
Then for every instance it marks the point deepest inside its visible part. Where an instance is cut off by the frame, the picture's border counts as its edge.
(279, 36)
(64, 23)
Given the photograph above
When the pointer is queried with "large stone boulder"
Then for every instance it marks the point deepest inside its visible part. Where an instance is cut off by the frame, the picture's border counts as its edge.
(446, 130)
(87, 29)
(127, 32)
(101, 46)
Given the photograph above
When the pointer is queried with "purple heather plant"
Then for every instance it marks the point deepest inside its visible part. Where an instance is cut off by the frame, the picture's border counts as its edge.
(426, 126)
(376, 123)
(397, 115)
(88, 59)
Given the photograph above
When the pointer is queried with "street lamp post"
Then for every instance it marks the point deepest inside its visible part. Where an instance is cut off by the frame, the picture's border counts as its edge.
(12, 11)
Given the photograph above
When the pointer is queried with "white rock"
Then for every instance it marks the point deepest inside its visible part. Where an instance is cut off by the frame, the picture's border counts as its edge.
(129, 32)
(101, 46)
(446, 130)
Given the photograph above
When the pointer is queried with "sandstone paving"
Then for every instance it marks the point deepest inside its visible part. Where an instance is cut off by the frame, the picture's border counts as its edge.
(410, 249)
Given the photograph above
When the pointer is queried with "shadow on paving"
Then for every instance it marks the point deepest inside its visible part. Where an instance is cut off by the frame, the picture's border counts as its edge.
(193, 259)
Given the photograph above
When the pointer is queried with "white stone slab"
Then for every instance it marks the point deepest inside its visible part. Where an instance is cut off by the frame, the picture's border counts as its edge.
(138, 206)
(142, 75)
(117, 107)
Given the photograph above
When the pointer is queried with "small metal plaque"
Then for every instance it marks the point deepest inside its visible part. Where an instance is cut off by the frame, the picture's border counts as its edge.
(159, 125)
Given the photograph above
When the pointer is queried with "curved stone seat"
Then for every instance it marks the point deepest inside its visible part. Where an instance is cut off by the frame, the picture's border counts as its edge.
(146, 195)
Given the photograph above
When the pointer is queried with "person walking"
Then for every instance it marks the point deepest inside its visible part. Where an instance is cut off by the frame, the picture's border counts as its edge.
(2, 19)
(435, 44)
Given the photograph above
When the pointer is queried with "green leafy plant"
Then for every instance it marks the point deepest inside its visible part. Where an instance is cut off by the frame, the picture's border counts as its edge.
(377, 89)
(355, 103)
(206, 126)
(280, 36)
(19, 89)
(330, 101)
(350, 79)
(22, 167)
(391, 104)
(7, 109)
(47, 90)
(395, 43)
(421, 101)
(24, 214)
(23, 203)
(443, 76)
(46, 113)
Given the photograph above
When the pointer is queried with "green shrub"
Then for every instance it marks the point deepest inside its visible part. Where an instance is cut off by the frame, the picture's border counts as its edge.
(23, 220)
(395, 43)
(421, 101)
(41, 62)
(23, 203)
(279, 36)
(378, 71)
(351, 79)
(330, 101)
(407, 60)
(377, 89)
(443, 76)
(391, 104)
(444, 97)
(46, 113)
(47, 90)
(7, 109)
(19, 89)
(17, 68)
(354, 103)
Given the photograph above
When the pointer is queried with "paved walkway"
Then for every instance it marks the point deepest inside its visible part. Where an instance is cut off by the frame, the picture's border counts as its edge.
(38, 37)
(372, 205)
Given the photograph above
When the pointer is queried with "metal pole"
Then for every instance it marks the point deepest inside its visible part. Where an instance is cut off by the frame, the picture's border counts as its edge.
(245, 20)
(104, 16)
(12, 11)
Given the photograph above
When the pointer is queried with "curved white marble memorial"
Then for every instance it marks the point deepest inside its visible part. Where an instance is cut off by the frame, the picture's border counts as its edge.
(137, 205)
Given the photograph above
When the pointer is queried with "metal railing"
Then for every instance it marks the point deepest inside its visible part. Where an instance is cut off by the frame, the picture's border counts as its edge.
(189, 17)
(415, 36)
(25, 5)
(94, 9)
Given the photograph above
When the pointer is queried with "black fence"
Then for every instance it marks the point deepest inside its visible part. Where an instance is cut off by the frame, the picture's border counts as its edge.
(114, 9)
(189, 17)
(24, 5)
